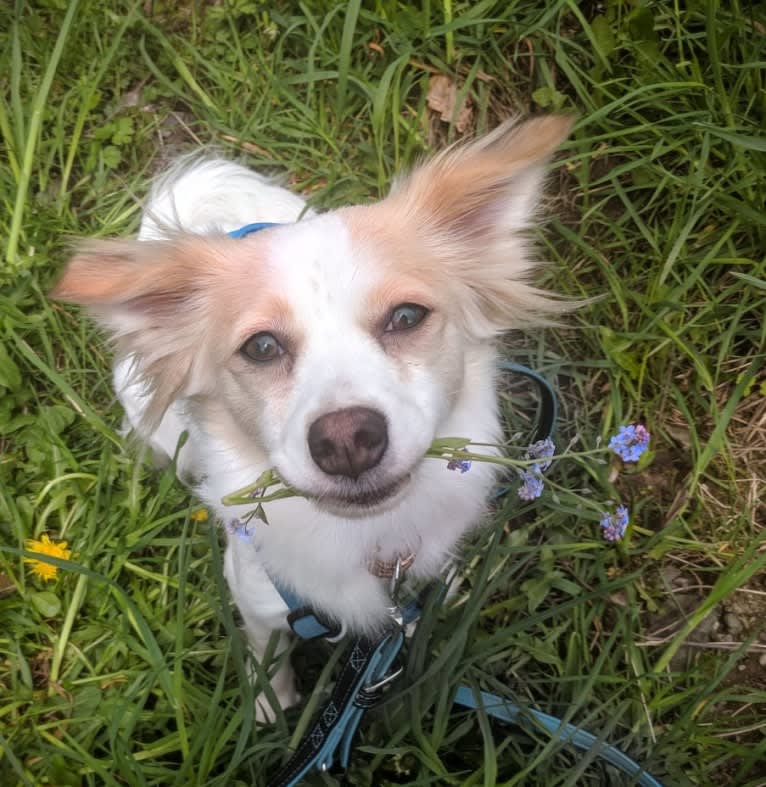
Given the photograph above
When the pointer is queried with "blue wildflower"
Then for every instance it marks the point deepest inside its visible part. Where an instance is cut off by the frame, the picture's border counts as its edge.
(236, 527)
(464, 465)
(615, 523)
(532, 479)
(532, 486)
(542, 449)
(630, 442)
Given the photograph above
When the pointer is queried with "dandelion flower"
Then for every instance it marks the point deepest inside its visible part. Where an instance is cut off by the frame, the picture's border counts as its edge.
(615, 523)
(630, 442)
(463, 465)
(200, 515)
(45, 546)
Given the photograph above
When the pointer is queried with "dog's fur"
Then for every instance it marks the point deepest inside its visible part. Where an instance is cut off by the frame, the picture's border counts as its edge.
(182, 300)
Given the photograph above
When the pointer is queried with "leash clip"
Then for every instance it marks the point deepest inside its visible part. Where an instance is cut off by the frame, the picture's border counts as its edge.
(369, 696)
(394, 590)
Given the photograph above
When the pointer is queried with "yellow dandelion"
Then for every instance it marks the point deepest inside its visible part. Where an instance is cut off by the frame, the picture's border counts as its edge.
(200, 515)
(45, 546)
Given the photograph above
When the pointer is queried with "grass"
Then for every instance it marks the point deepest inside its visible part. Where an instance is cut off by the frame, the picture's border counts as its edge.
(128, 669)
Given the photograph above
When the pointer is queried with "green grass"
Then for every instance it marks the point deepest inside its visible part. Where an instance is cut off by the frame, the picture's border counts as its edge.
(128, 668)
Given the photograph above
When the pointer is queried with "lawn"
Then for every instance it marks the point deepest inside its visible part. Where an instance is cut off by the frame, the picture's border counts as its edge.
(127, 666)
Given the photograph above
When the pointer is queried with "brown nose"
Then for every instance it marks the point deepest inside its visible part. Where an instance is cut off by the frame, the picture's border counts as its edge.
(348, 442)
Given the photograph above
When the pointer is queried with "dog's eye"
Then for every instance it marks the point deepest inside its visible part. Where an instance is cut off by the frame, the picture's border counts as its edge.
(262, 347)
(405, 316)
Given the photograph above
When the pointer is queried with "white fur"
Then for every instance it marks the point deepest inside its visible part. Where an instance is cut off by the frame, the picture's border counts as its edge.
(208, 195)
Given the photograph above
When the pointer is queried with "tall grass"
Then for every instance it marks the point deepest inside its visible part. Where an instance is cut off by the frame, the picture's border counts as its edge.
(129, 668)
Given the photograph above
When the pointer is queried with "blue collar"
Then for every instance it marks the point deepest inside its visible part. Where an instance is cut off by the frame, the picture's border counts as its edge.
(249, 229)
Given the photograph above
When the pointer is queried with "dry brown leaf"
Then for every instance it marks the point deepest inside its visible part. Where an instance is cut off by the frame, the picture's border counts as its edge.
(250, 147)
(442, 98)
(7, 586)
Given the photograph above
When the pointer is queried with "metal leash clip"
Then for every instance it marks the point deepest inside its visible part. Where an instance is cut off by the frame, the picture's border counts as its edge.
(394, 590)
(369, 696)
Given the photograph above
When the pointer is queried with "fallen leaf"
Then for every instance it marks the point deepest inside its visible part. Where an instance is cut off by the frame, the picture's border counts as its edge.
(442, 98)
(133, 97)
(7, 587)
(250, 147)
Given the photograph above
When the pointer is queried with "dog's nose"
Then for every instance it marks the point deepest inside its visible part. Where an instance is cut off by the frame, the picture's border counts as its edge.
(348, 442)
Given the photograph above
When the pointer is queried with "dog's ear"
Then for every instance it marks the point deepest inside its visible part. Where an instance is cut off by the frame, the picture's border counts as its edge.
(155, 299)
(473, 204)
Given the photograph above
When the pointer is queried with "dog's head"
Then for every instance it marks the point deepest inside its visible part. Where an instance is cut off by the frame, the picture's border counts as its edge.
(337, 345)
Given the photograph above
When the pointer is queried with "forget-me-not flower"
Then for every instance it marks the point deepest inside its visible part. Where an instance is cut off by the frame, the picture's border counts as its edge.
(463, 465)
(630, 442)
(532, 478)
(615, 523)
(532, 484)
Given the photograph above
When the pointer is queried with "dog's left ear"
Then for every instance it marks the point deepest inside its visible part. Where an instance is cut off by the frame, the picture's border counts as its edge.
(472, 205)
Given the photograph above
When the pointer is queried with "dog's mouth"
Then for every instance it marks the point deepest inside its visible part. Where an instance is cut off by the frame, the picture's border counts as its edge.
(361, 500)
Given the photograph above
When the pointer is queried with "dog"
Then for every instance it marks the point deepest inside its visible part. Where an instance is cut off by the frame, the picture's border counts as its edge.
(332, 347)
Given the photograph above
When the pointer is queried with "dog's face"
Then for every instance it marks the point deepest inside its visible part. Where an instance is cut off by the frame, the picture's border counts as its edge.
(344, 369)
(337, 345)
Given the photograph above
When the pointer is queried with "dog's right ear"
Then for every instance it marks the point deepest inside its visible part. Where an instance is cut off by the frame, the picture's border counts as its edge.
(155, 299)
(473, 205)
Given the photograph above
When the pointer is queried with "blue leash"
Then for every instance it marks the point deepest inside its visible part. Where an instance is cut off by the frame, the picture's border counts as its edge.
(511, 713)
(369, 667)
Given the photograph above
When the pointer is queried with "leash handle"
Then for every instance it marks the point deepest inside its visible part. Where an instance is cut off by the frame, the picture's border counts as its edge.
(511, 713)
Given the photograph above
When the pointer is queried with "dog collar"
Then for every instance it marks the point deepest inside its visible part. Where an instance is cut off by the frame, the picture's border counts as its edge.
(249, 229)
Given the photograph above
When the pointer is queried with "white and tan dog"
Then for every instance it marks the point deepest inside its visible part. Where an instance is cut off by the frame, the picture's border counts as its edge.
(334, 349)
